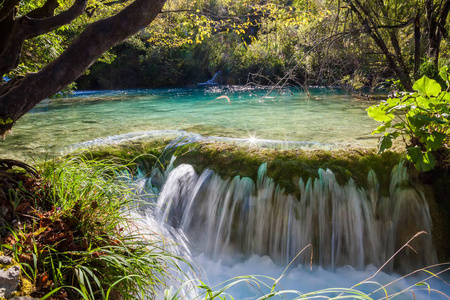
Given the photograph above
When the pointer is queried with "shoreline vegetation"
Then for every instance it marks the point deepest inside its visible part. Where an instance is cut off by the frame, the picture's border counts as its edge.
(67, 226)
(66, 223)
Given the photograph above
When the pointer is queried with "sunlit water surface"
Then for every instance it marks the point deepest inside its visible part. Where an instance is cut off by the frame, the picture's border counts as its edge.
(326, 119)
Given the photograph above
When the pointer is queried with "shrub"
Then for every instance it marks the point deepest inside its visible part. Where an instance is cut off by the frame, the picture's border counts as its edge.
(420, 118)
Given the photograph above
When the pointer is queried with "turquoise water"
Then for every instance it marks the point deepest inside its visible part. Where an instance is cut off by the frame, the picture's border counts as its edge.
(327, 119)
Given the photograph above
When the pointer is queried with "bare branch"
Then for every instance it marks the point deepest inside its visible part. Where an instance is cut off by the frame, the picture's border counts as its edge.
(178, 11)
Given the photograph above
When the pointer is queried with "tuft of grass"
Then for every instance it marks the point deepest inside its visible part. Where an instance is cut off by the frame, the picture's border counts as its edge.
(268, 287)
(78, 241)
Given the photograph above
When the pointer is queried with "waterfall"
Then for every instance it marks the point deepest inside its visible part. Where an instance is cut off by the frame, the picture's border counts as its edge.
(345, 224)
(216, 79)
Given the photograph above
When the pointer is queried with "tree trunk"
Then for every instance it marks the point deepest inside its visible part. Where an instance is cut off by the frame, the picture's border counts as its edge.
(370, 27)
(88, 46)
(437, 14)
(417, 44)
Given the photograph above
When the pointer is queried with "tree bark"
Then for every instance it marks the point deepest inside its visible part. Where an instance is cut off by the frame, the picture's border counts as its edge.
(436, 19)
(25, 28)
(97, 38)
(45, 11)
(417, 43)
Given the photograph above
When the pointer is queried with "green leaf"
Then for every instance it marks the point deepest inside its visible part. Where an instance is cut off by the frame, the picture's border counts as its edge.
(427, 163)
(6, 121)
(435, 141)
(384, 143)
(445, 97)
(414, 154)
(399, 125)
(443, 72)
(422, 161)
(382, 128)
(378, 114)
(427, 86)
(417, 121)
(425, 101)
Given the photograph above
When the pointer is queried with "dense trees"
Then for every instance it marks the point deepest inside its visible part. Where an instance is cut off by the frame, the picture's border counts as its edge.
(351, 43)
(403, 31)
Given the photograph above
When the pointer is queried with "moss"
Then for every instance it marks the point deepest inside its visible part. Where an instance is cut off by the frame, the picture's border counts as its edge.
(133, 153)
(26, 287)
(125, 151)
(286, 167)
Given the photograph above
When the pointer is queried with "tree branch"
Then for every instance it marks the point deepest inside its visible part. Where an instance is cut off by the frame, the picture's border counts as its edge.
(417, 38)
(6, 26)
(45, 11)
(398, 26)
(97, 38)
(372, 29)
(26, 28)
(35, 27)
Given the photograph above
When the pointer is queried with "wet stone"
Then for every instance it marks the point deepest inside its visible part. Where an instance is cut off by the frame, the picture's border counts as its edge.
(9, 277)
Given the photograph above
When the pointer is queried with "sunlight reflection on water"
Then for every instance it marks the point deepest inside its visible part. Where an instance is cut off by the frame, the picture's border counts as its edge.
(327, 118)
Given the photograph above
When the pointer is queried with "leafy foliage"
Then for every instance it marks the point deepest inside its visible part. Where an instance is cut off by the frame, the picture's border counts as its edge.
(191, 41)
(420, 118)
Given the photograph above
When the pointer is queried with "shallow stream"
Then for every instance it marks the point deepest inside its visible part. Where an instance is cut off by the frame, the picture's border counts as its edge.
(326, 119)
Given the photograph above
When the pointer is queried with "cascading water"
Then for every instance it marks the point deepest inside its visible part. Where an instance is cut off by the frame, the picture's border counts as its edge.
(344, 224)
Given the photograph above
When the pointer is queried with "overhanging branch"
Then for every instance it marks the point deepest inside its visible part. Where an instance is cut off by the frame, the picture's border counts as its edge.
(97, 38)
(35, 27)
(26, 28)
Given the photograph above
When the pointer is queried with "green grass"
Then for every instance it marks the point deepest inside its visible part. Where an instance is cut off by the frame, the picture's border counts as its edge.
(81, 244)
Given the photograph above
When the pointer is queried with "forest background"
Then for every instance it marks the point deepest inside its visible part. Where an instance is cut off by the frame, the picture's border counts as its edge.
(353, 44)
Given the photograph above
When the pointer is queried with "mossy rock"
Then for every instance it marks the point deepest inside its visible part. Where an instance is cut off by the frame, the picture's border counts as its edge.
(286, 167)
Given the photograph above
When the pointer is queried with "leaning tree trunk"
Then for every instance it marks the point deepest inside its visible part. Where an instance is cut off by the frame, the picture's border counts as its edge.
(20, 95)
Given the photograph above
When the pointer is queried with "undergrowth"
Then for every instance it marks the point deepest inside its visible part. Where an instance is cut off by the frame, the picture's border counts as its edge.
(67, 226)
